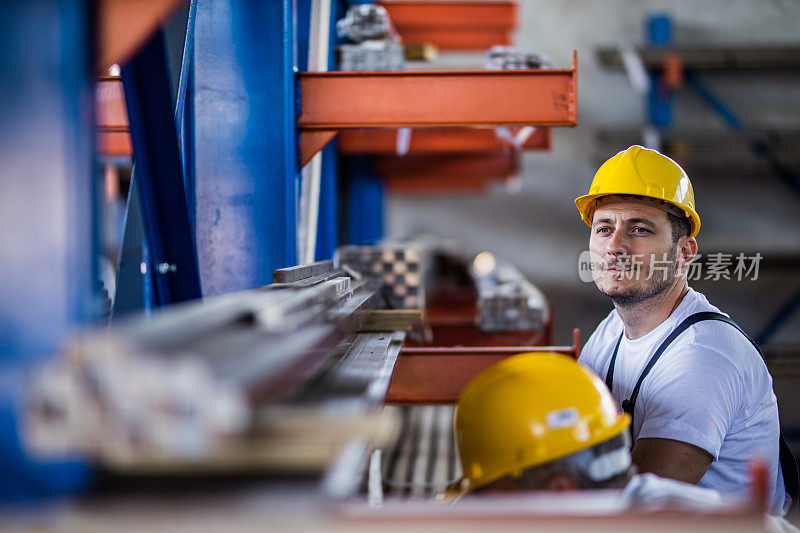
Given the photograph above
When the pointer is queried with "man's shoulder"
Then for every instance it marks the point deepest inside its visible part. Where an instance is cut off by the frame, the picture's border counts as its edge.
(715, 337)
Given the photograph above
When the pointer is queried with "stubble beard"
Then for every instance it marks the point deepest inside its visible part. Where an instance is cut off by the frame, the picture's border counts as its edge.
(657, 284)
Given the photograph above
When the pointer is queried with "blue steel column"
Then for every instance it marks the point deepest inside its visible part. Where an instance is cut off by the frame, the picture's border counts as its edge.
(47, 214)
(365, 203)
(244, 170)
(159, 176)
(328, 223)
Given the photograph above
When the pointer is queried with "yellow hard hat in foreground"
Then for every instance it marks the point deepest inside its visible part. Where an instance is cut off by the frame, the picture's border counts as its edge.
(642, 172)
(528, 410)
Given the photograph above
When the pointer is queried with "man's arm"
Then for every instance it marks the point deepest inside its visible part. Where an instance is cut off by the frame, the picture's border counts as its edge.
(671, 459)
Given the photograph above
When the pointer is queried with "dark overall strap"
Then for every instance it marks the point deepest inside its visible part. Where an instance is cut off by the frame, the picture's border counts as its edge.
(791, 480)
(612, 364)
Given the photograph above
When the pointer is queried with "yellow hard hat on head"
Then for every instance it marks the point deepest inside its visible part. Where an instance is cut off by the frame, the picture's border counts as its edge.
(529, 410)
(642, 172)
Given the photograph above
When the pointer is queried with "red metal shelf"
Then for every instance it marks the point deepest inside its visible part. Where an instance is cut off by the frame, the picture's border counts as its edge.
(333, 101)
(437, 375)
(125, 25)
(446, 173)
(436, 140)
(454, 25)
(111, 118)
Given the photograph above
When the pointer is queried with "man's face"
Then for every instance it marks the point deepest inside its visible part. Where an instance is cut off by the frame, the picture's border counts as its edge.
(632, 240)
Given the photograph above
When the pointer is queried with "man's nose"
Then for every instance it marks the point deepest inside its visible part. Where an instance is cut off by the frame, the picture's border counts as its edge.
(617, 243)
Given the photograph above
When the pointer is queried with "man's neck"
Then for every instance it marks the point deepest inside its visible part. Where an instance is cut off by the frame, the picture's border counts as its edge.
(643, 317)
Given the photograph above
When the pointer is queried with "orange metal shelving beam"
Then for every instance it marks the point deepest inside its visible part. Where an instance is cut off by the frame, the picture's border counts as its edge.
(437, 375)
(454, 25)
(125, 25)
(500, 164)
(435, 140)
(113, 132)
(332, 101)
(446, 173)
(447, 185)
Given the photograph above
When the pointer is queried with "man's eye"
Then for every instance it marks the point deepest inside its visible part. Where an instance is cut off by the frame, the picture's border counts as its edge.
(603, 229)
(641, 230)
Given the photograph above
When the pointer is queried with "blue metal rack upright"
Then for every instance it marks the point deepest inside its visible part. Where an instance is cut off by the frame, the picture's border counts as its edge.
(244, 171)
(47, 214)
(217, 177)
(170, 247)
(365, 200)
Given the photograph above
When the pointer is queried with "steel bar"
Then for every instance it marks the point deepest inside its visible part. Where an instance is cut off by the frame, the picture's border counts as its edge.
(296, 273)
(360, 377)
(484, 350)
(712, 58)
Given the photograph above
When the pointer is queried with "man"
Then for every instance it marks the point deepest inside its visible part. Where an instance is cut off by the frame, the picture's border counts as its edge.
(541, 421)
(704, 407)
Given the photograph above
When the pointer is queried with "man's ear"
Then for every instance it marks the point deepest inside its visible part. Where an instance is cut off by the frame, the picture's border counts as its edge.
(687, 250)
(560, 483)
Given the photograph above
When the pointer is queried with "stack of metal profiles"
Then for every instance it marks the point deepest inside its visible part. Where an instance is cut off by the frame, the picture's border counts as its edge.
(510, 58)
(375, 45)
(507, 301)
(272, 378)
(401, 267)
(371, 56)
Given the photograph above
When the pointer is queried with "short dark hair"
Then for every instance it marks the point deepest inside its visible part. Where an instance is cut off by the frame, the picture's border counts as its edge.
(681, 227)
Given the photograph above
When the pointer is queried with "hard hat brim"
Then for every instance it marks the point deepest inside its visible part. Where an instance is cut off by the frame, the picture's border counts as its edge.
(621, 424)
(585, 205)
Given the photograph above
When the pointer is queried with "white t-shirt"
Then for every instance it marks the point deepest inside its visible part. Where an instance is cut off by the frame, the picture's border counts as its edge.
(710, 388)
